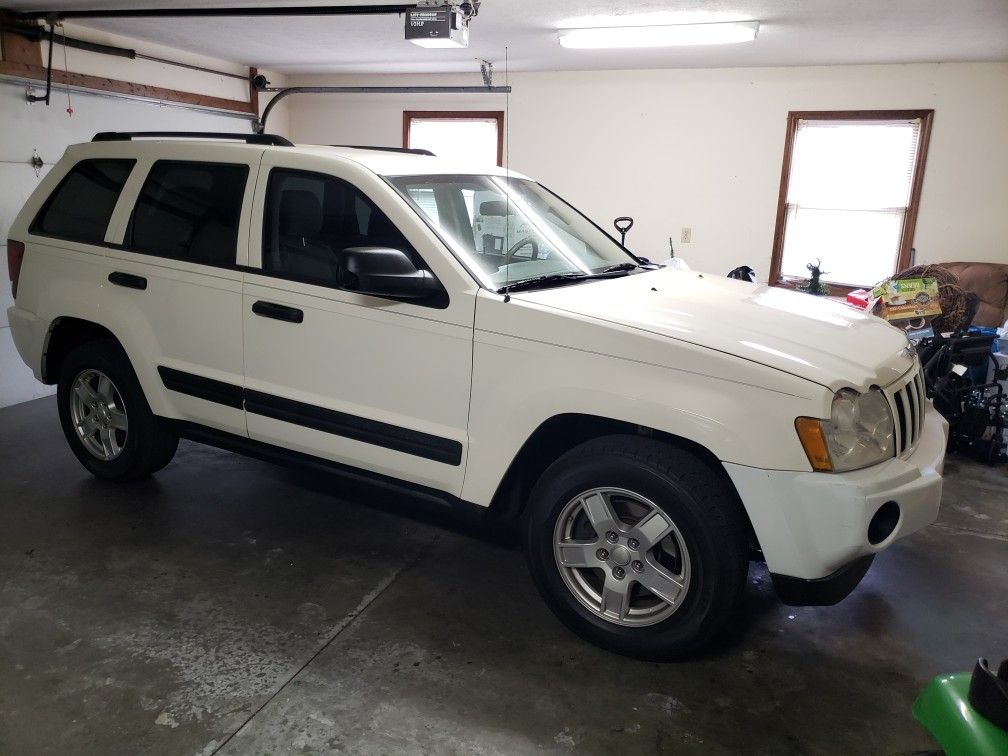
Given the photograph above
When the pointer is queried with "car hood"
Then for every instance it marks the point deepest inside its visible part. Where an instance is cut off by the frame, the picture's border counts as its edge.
(812, 337)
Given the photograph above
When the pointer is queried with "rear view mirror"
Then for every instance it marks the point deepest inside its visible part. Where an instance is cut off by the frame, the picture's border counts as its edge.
(385, 272)
(494, 208)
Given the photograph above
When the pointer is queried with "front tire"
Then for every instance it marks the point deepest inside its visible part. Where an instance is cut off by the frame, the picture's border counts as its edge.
(105, 416)
(637, 546)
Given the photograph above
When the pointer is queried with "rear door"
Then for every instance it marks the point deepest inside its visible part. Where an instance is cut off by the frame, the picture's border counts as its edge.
(174, 285)
(365, 381)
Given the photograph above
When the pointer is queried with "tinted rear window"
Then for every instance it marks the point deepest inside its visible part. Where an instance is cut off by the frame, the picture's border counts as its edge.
(80, 207)
(189, 211)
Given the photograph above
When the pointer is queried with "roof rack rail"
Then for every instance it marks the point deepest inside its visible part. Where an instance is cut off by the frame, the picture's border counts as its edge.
(126, 136)
(407, 150)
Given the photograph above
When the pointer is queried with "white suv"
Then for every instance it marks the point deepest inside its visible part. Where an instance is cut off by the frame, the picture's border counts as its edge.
(469, 336)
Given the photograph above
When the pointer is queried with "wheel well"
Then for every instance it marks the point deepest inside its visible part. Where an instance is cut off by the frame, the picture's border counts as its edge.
(562, 433)
(65, 335)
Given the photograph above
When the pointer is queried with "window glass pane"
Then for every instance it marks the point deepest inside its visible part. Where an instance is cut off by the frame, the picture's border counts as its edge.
(465, 140)
(855, 246)
(847, 197)
(852, 166)
(311, 218)
(81, 206)
(189, 211)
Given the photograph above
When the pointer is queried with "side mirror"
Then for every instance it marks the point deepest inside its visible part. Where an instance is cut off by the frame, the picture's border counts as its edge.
(384, 272)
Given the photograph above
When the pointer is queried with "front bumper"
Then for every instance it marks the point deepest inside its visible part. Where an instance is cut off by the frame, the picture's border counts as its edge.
(826, 591)
(812, 525)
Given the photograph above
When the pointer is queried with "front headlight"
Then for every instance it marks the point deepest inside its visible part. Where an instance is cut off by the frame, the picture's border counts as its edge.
(859, 433)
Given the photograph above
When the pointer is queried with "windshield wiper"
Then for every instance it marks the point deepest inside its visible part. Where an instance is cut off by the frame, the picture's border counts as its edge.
(621, 266)
(531, 283)
(614, 271)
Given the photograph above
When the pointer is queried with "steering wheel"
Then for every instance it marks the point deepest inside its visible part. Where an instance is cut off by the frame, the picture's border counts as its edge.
(510, 256)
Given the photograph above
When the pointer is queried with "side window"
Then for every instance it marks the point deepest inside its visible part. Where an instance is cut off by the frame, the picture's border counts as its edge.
(310, 218)
(189, 211)
(79, 208)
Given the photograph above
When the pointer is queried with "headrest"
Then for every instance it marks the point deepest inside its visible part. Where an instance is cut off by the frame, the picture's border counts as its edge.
(495, 208)
(300, 213)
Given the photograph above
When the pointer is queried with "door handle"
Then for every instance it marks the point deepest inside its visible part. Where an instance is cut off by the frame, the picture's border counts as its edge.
(128, 280)
(278, 312)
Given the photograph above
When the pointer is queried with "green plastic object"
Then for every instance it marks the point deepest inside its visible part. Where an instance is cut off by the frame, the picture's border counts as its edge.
(943, 708)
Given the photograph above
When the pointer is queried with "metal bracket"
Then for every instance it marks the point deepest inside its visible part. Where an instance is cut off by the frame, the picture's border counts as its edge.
(259, 126)
(52, 20)
(468, 8)
(36, 162)
(486, 68)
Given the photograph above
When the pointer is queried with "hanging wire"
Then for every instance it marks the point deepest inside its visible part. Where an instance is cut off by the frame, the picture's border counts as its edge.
(507, 176)
(66, 71)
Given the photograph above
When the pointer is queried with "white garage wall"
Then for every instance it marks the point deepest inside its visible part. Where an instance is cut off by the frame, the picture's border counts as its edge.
(25, 127)
(703, 148)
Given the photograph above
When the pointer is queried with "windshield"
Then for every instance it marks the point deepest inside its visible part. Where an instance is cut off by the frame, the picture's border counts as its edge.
(511, 230)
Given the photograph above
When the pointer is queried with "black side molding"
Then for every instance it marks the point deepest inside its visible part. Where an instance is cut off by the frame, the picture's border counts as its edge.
(363, 429)
(202, 388)
(825, 591)
(374, 432)
(442, 500)
(128, 280)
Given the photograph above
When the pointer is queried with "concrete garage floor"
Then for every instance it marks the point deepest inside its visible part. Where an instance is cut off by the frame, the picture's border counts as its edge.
(229, 605)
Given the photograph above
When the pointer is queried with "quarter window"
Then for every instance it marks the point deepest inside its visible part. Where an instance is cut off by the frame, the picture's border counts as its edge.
(189, 211)
(311, 218)
(81, 206)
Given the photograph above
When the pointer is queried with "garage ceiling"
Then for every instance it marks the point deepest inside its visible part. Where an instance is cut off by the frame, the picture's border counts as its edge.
(792, 32)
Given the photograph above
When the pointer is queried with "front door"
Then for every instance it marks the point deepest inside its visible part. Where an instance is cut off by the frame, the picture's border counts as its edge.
(364, 381)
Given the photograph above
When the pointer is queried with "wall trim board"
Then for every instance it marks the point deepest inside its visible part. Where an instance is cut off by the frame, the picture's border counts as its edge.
(21, 82)
(101, 83)
(17, 49)
(253, 104)
(22, 57)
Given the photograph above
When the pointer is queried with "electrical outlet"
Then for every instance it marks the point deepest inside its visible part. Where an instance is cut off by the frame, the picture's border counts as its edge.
(687, 235)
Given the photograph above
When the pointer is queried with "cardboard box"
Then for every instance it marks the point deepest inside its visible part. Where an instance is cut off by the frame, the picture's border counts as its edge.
(859, 298)
(906, 299)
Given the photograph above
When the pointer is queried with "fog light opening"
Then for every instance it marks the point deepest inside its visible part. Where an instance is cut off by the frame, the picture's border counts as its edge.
(883, 523)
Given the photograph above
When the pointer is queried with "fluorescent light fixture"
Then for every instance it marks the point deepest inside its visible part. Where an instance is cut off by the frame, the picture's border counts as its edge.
(660, 36)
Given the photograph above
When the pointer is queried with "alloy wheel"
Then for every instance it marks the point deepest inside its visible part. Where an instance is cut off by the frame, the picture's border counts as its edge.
(622, 556)
(98, 414)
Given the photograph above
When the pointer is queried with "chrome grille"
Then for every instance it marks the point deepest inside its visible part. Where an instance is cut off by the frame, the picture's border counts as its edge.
(908, 403)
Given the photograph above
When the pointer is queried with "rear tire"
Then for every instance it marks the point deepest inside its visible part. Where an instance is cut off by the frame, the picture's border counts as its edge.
(668, 520)
(105, 416)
